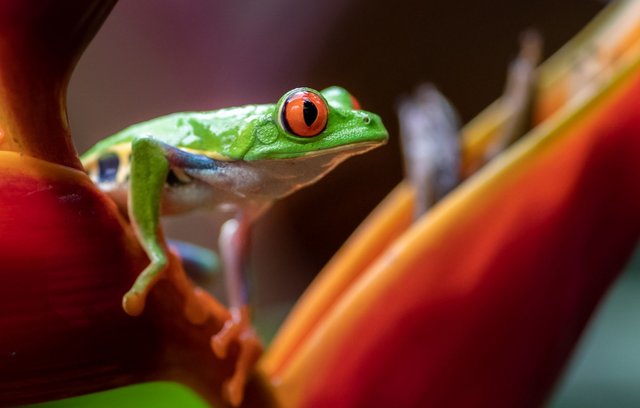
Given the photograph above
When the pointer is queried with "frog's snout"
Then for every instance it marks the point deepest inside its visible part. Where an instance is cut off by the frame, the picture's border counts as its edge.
(365, 117)
(374, 129)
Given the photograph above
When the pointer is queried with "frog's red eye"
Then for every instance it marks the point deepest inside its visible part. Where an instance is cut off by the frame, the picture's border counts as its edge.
(304, 114)
(355, 104)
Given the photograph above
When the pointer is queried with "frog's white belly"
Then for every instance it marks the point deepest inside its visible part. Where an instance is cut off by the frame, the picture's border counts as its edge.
(235, 185)
(189, 197)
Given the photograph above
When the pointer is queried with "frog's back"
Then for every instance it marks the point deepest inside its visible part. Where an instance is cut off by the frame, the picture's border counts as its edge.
(218, 134)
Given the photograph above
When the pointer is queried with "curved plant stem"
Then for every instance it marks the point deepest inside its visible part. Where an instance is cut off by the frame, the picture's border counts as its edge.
(39, 47)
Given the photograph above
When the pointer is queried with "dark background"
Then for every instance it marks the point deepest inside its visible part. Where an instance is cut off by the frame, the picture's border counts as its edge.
(154, 57)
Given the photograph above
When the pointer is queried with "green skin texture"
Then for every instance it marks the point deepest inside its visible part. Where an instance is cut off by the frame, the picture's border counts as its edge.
(252, 132)
(249, 134)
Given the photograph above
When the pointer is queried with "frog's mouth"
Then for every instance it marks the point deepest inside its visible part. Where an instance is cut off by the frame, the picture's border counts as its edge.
(288, 175)
(325, 160)
(346, 150)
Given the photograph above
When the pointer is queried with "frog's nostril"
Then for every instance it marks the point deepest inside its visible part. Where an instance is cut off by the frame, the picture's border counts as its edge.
(366, 119)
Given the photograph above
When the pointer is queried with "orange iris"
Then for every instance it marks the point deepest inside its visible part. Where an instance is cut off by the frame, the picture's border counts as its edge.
(305, 114)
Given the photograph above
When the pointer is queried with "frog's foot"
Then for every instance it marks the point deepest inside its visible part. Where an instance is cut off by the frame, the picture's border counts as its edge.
(238, 328)
(134, 300)
(250, 351)
(232, 329)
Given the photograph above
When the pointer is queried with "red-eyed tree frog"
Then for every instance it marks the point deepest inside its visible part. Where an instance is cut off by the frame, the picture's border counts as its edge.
(235, 160)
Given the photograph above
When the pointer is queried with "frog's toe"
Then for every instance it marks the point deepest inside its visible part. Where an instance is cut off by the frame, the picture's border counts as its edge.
(221, 341)
(133, 302)
(250, 351)
(233, 391)
(238, 328)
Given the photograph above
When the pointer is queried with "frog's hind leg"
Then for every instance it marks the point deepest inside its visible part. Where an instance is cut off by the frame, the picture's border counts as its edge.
(234, 242)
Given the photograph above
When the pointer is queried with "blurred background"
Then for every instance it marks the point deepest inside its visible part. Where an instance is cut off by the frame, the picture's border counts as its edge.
(154, 57)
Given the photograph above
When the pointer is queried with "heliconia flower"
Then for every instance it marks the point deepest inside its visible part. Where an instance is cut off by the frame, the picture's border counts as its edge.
(478, 303)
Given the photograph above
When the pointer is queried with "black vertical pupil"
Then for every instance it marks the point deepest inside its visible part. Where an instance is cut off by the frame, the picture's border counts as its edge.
(309, 112)
(108, 167)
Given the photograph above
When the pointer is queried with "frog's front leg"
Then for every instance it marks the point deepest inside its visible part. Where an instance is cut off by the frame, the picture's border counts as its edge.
(149, 169)
(150, 164)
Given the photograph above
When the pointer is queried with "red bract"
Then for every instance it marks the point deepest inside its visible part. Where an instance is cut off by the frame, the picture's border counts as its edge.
(65, 260)
(66, 255)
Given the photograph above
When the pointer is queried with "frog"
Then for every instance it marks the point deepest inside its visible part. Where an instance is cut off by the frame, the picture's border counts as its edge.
(234, 161)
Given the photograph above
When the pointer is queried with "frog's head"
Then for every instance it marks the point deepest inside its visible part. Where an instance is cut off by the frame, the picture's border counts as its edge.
(307, 124)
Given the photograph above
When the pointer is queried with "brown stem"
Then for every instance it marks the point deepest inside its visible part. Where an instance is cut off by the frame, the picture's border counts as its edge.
(40, 43)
